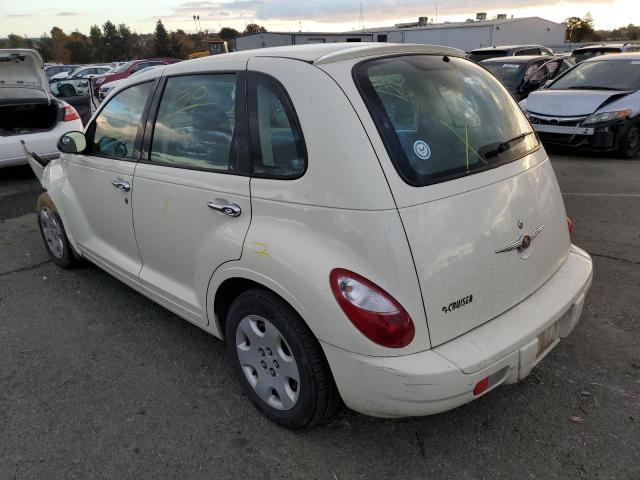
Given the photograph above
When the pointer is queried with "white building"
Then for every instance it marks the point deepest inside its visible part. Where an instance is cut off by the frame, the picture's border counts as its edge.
(464, 35)
(475, 34)
(279, 39)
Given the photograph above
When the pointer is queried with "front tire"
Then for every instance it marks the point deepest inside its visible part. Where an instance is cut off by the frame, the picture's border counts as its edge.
(278, 361)
(54, 235)
(629, 146)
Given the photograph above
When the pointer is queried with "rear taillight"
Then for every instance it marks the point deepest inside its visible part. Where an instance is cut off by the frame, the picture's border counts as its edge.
(70, 113)
(373, 311)
(570, 225)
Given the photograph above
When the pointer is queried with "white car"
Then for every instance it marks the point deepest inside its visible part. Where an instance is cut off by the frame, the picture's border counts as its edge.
(594, 106)
(78, 83)
(376, 223)
(28, 111)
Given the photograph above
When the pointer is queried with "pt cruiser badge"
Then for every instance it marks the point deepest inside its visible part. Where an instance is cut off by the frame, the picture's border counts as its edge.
(523, 242)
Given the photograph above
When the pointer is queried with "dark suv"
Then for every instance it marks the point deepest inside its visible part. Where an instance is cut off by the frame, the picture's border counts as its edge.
(485, 53)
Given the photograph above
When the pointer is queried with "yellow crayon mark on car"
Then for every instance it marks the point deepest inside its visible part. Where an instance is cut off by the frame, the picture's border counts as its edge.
(263, 251)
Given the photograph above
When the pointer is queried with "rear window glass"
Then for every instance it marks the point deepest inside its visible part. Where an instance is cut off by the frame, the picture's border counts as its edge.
(510, 74)
(442, 118)
(582, 55)
(484, 55)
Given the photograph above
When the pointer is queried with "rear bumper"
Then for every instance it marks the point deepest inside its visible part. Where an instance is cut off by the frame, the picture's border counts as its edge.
(504, 350)
(43, 143)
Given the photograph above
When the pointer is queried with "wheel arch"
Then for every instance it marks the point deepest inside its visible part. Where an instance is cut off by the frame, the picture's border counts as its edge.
(226, 285)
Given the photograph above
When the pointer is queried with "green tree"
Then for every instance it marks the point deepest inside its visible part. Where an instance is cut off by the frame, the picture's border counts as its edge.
(161, 43)
(97, 45)
(110, 41)
(79, 47)
(580, 29)
(254, 28)
(45, 47)
(16, 41)
(228, 34)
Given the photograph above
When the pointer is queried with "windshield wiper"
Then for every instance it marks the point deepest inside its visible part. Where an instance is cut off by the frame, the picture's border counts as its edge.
(506, 145)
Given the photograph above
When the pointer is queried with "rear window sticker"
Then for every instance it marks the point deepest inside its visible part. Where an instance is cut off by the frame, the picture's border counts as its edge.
(421, 149)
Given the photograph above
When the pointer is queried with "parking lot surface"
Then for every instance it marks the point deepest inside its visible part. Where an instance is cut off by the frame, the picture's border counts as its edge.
(96, 381)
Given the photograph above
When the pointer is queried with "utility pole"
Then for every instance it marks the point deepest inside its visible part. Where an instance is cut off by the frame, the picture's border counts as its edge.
(195, 23)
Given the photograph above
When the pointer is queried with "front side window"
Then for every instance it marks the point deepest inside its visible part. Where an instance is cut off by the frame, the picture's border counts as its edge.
(442, 117)
(601, 75)
(196, 123)
(276, 137)
(117, 124)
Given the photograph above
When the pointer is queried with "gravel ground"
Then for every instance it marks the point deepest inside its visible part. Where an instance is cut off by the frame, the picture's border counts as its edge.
(96, 381)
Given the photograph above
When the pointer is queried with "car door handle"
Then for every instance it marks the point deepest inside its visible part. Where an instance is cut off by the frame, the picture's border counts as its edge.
(121, 185)
(230, 209)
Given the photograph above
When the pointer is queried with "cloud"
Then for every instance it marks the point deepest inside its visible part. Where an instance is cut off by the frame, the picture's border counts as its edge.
(339, 10)
(70, 14)
(19, 15)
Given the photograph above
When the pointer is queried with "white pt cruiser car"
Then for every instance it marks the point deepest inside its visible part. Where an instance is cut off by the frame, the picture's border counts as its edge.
(376, 224)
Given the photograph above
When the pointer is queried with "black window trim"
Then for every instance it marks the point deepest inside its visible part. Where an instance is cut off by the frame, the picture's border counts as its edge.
(137, 143)
(242, 148)
(254, 129)
(391, 142)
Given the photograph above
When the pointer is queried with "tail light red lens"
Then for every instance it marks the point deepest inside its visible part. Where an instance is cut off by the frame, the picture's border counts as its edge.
(570, 225)
(481, 386)
(373, 311)
(70, 113)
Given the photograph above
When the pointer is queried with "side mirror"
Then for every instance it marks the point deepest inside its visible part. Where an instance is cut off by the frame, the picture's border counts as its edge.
(72, 142)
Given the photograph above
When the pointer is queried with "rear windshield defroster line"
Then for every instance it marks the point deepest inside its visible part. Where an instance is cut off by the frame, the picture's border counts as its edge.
(442, 118)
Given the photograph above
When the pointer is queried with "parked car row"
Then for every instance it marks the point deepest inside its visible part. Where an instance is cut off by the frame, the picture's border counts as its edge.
(28, 110)
(432, 267)
(595, 105)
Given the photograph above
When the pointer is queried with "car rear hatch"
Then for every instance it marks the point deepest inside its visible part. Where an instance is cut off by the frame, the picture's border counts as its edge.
(22, 77)
(478, 199)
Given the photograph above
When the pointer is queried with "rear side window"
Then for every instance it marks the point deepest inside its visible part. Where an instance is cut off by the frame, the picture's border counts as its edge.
(277, 145)
(442, 118)
(117, 124)
(195, 125)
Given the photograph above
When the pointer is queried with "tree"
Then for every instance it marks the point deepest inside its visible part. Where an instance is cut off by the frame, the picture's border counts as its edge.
(16, 41)
(110, 42)
(580, 29)
(44, 46)
(254, 28)
(79, 47)
(161, 43)
(228, 34)
(59, 45)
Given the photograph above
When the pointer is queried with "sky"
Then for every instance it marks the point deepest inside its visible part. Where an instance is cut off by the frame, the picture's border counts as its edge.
(33, 17)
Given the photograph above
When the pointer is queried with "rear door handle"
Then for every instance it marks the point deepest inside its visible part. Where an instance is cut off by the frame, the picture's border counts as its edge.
(121, 185)
(230, 209)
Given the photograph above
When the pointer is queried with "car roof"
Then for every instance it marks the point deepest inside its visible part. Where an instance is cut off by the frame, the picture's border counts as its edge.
(598, 46)
(333, 52)
(505, 47)
(518, 59)
(615, 57)
(317, 54)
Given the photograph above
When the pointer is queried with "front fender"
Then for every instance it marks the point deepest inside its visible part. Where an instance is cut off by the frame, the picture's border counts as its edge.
(291, 249)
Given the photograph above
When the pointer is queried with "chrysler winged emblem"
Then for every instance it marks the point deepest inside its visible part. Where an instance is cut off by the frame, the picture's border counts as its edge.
(523, 242)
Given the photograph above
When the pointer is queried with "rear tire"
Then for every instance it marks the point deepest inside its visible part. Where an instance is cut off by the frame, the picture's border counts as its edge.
(629, 144)
(279, 362)
(54, 235)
